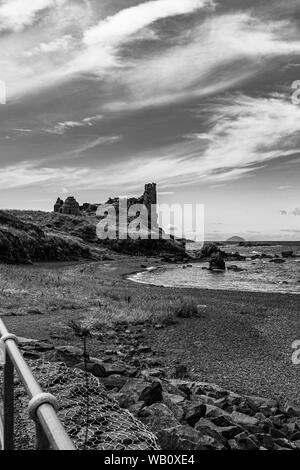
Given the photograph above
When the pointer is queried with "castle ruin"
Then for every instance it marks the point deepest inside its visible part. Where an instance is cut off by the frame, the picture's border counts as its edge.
(71, 207)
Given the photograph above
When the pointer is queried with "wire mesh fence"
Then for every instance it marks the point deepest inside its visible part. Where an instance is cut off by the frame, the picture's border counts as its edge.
(93, 420)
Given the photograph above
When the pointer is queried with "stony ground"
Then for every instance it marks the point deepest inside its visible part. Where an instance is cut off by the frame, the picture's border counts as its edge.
(181, 414)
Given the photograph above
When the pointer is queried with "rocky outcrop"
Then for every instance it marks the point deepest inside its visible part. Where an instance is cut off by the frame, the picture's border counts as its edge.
(170, 250)
(208, 250)
(287, 254)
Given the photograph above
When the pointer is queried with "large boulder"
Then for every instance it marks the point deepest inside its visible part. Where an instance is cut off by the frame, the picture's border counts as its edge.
(217, 262)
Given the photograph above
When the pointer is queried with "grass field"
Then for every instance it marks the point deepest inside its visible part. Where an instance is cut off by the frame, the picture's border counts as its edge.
(34, 300)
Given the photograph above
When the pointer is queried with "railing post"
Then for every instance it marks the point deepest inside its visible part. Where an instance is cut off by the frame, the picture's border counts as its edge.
(50, 432)
(42, 442)
(8, 403)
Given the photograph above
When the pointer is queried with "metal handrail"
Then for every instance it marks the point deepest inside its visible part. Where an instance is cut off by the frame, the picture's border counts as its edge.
(50, 432)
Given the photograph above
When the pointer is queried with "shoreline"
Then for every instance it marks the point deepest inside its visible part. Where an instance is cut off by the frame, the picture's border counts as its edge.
(131, 277)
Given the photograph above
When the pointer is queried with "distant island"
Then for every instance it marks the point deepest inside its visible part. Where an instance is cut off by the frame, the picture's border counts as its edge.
(235, 239)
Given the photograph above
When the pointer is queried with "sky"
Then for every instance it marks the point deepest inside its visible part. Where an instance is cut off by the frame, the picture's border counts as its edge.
(103, 96)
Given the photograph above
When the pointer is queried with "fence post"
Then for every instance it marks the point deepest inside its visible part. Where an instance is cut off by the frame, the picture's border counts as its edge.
(8, 403)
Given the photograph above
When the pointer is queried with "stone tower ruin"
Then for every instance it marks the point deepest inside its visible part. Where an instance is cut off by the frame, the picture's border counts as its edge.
(150, 195)
(69, 207)
(150, 201)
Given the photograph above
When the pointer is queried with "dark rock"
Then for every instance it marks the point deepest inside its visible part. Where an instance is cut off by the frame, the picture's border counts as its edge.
(277, 434)
(174, 399)
(181, 371)
(180, 438)
(111, 369)
(152, 394)
(124, 400)
(230, 432)
(113, 382)
(283, 442)
(35, 311)
(204, 426)
(242, 419)
(290, 409)
(38, 346)
(204, 399)
(217, 262)
(296, 444)
(174, 403)
(153, 362)
(160, 417)
(70, 355)
(234, 268)
(218, 416)
(208, 250)
(266, 441)
(246, 442)
(135, 387)
(31, 355)
(148, 373)
(259, 401)
(208, 442)
(96, 369)
(194, 412)
(295, 436)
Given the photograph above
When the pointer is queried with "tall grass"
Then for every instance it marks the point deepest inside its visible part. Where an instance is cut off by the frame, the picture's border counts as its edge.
(88, 293)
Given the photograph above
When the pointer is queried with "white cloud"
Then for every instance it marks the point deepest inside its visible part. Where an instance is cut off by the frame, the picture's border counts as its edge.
(17, 14)
(61, 127)
(117, 28)
(219, 53)
(59, 44)
(223, 51)
(245, 134)
(26, 174)
(249, 131)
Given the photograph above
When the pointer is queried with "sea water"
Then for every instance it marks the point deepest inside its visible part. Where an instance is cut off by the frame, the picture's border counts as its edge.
(258, 275)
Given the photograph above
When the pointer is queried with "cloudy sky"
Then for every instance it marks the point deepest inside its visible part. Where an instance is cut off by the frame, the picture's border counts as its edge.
(106, 95)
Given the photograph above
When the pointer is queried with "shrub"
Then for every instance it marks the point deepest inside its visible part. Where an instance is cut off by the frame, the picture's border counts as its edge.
(187, 308)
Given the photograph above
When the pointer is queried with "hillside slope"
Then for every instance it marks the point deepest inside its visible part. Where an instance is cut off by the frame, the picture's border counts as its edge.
(25, 242)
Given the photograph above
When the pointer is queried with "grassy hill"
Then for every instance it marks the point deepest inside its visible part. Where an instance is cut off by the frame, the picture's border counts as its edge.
(30, 236)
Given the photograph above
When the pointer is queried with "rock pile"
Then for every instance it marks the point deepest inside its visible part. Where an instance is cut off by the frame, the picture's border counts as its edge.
(185, 414)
